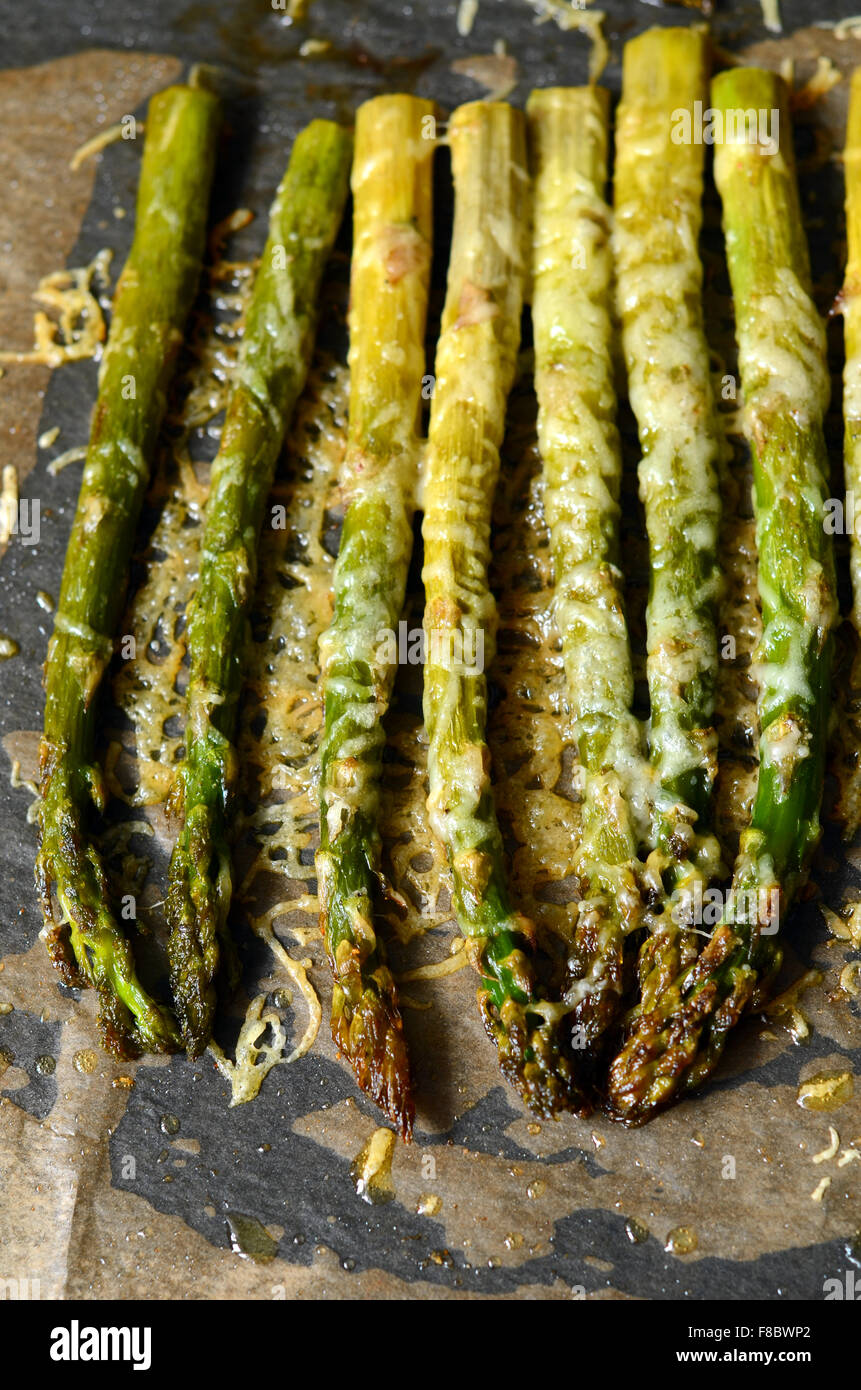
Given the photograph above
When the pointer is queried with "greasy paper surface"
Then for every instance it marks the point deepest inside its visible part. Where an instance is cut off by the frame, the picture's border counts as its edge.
(117, 1190)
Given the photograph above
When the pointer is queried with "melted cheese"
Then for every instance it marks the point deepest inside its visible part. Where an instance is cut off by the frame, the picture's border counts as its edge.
(781, 341)
(568, 15)
(783, 367)
(389, 278)
(572, 276)
(438, 969)
(658, 197)
(80, 327)
(475, 366)
(255, 1054)
(149, 687)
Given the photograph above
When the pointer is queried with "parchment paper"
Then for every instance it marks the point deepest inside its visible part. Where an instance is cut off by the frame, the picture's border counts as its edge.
(138, 1181)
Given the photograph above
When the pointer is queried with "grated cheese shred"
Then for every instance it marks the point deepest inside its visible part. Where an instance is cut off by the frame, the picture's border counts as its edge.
(74, 455)
(771, 16)
(99, 142)
(830, 1151)
(79, 329)
(8, 502)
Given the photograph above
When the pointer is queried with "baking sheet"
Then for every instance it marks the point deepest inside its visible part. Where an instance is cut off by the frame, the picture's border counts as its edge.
(158, 1188)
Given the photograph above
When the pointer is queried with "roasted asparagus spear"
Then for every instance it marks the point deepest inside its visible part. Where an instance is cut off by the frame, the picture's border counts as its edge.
(851, 307)
(579, 444)
(153, 299)
(676, 1044)
(273, 364)
(658, 196)
(392, 191)
(476, 360)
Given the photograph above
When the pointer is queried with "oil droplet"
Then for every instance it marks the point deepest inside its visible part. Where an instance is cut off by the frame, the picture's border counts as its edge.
(371, 1169)
(513, 1240)
(5, 1009)
(85, 1062)
(123, 1083)
(428, 1204)
(825, 1091)
(169, 1124)
(636, 1231)
(282, 999)
(46, 1064)
(533, 1129)
(536, 1189)
(442, 1257)
(681, 1240)
(250, 1238)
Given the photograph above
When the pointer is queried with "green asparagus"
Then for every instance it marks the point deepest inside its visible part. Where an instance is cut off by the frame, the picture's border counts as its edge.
(153, 299)
(392, 191)
(658, 195)
(579, 444)
(476, 360)
(676, 1044)
(850, 300)
(273, 364)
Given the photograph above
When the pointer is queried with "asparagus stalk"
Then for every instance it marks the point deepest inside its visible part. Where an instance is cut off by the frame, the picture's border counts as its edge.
(476, 360)
(153, 299)
(392, 191)
(851, 307)
(658, 194)
(579, 444)
(273, 366)
(781, 340)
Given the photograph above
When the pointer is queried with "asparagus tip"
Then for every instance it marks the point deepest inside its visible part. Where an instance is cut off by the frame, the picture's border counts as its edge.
(369, 1033)
(531, 1059)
